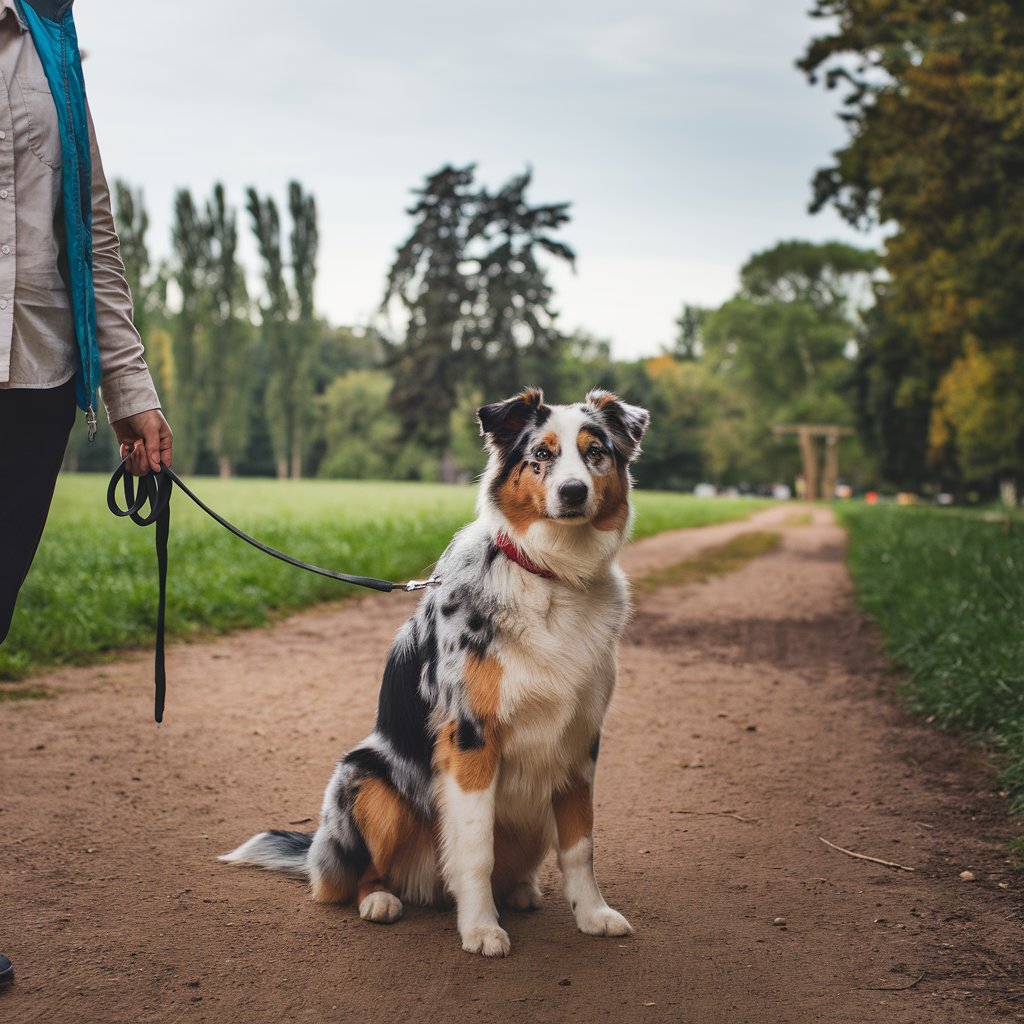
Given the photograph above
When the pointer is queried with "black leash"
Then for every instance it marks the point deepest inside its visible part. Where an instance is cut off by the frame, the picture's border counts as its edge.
(154, 490)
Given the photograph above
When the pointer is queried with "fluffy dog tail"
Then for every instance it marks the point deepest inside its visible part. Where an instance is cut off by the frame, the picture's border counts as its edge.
(275, 850)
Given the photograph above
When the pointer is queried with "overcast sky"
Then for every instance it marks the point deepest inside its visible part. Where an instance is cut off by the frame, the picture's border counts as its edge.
(681, 131)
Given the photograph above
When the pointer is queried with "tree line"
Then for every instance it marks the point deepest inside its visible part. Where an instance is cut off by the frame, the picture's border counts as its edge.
(933, 97)
(919, 347)
(255, 383)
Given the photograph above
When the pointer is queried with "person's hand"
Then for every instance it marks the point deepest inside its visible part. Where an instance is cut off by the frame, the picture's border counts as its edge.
(147, 436)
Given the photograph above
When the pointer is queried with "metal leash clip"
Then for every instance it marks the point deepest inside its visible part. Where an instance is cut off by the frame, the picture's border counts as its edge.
(420, 584)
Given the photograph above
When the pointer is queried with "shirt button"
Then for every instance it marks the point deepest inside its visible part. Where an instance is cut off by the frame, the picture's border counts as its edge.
(3, 193)
(3, 134)
(5, 249)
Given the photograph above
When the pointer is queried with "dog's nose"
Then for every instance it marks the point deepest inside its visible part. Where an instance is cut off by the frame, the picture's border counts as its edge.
(573, 492)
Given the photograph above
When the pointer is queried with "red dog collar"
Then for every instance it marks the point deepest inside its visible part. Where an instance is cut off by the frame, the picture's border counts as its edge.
(513, 553)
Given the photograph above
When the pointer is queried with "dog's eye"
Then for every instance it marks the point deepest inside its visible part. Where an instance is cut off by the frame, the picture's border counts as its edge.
(541, 454)
(595, 453)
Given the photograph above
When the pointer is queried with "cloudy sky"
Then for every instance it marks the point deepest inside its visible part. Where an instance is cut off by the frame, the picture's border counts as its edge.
(679, 129)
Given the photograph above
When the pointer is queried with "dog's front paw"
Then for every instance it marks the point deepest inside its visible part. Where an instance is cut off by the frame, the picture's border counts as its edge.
(488, 940)
(524, 896)
(603, 921)
(381, 908)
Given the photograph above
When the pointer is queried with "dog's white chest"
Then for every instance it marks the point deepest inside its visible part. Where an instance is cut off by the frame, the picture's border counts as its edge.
(558, 655)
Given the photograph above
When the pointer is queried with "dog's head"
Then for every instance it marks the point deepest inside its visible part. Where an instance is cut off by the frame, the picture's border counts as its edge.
(563, 464)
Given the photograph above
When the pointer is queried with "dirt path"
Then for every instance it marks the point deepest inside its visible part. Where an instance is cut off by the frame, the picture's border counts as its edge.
(753, 716)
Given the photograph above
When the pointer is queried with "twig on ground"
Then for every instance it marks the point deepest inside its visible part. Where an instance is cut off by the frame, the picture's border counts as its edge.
(890, 988)
(864, 856)
(721, 814)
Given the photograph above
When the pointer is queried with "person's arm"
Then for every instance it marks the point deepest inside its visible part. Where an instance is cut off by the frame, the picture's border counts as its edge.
(133, 407)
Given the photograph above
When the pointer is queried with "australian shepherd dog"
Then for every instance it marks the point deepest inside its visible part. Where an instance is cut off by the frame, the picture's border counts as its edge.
(494, 692)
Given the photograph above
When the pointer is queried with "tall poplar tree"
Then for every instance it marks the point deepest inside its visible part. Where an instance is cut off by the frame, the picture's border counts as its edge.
(191, 247)
(288, 322)
(227, 370)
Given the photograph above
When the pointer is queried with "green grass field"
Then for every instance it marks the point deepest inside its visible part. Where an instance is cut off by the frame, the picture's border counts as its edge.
(92, 588)
(947, 589)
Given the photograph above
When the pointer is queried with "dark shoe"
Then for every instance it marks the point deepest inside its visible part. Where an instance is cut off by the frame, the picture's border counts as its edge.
(6, 971)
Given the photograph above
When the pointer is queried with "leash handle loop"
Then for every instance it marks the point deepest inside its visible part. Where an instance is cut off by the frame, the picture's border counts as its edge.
(153, 490)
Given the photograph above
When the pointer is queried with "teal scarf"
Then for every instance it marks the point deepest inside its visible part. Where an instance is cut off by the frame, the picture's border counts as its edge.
(52, 27)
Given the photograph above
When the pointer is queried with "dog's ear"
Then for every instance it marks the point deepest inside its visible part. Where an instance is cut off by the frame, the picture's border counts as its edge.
(503, 422)
(626, 424)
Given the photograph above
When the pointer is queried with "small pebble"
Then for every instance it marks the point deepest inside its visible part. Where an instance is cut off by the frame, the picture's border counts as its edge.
(966, 876)
(779, 922)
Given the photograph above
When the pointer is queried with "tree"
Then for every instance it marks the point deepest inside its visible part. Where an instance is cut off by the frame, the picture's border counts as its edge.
(676, 393)
(784, 345)
(363, 437)
(934, 102)
(979, 410)
(190, 245)
(477, 300)
(512, 334)
(785, 338)
(689, 340)
(427, 278)
(288, 333)
(227, 363)
(304, 246)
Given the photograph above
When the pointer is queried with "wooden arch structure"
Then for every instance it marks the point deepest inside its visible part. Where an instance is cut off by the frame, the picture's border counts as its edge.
(807, 434)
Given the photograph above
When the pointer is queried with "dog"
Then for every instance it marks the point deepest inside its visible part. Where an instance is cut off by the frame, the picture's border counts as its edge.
(494, 693)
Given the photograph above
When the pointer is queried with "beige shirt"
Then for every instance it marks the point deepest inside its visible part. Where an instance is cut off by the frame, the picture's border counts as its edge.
(37, 334)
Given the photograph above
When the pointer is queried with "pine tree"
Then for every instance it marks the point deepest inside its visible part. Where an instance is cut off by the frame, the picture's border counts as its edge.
(513, 335)
(428, 279)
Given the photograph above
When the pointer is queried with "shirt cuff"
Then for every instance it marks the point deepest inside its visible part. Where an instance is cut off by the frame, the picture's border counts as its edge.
(129, 394)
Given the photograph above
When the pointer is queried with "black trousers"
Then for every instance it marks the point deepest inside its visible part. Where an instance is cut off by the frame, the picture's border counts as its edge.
(34, 429)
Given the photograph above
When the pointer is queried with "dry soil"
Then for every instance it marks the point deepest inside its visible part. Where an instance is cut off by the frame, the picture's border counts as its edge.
(755, 716)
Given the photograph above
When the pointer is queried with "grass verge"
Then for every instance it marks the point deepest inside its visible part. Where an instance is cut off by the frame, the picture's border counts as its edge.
(716, 561)
(13, 693)
(947, 590)
(92, 589)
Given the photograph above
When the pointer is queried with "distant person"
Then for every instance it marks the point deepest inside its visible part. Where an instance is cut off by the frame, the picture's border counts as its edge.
(65, 306)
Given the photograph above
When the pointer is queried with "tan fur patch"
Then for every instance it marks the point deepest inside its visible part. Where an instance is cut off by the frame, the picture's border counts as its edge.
(483, 685)
(326, 891)
(574, 813)
(601, 400)
(517, 854)
(474, 769)
(386, 823)
(611, 489)
(372, 881)
(522, 498)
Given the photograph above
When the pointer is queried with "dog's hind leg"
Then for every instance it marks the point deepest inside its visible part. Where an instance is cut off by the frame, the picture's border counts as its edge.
(394, 835)
(519, 847)
(333, 868)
